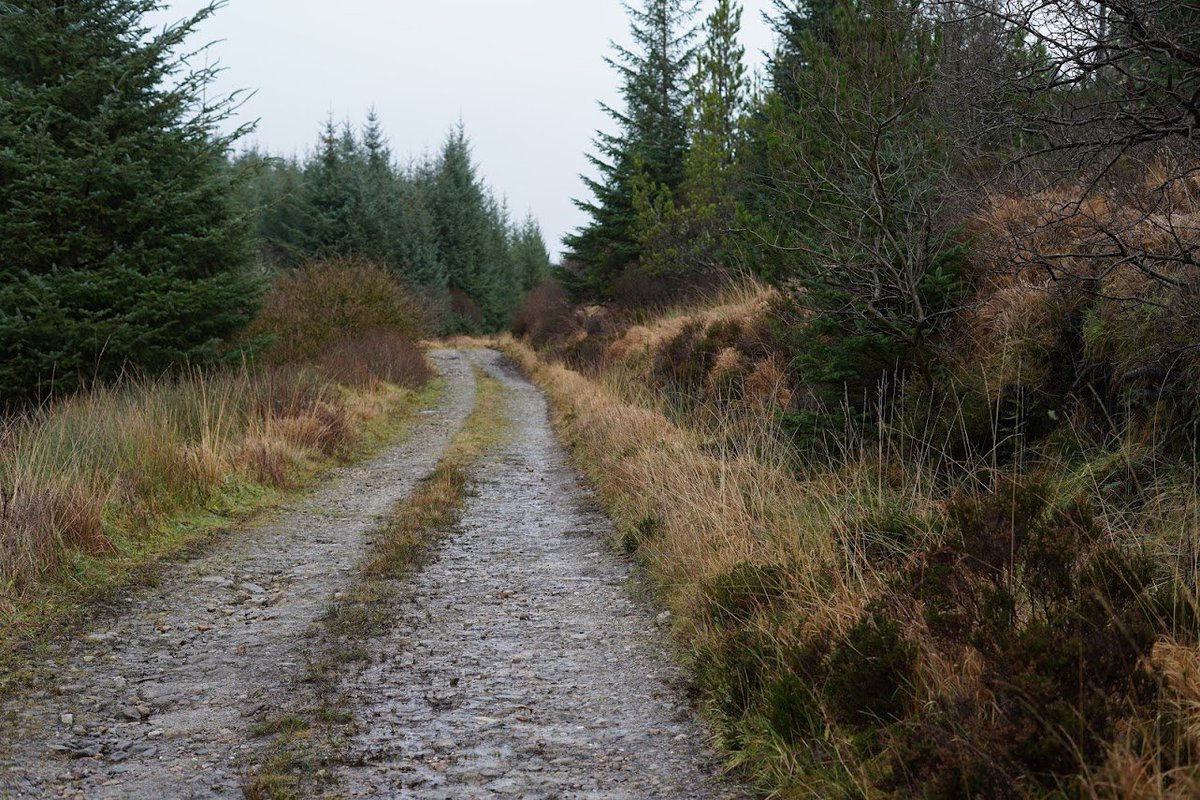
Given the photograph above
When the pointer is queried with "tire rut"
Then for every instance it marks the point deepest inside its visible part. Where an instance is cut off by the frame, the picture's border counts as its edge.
(156, 701)
(520, 664)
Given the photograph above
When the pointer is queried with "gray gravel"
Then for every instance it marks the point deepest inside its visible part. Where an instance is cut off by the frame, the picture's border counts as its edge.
(157, 700)
(520, 664)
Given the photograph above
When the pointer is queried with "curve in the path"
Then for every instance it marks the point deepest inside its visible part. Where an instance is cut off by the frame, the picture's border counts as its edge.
(520, 665)
(156, 702)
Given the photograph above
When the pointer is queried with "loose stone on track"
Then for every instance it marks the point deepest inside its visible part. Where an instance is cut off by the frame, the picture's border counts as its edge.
(522, 666)
(519, 665)
(161, 697)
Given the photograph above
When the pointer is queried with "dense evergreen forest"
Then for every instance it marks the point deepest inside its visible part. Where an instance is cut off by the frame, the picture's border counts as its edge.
(434, 222)
(135, 237)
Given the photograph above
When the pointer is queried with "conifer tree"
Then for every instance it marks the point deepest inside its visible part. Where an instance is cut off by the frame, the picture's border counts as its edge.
(461, 220)
(121, 246)
(859, 202)
(650, 143)
(434, 223)
(378, 196)
(797, 25)
(415, 251)
(531, 259)
(273, 194)
(686, 233)
(329, 192)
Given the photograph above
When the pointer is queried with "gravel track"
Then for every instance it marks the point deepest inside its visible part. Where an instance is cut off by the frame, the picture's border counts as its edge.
(156, 701)
(520, 663)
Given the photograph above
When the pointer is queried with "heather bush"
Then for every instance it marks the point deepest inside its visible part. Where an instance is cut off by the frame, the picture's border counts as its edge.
(376, 356)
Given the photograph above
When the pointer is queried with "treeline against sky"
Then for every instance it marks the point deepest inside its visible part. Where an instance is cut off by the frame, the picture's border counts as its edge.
(433, 221)
(133, 239)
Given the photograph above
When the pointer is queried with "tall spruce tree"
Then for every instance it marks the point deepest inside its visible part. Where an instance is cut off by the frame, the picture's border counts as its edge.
(648, 147)
(378, 197)
(685, 235)
(462, 221)
(120, 242)
(530, 257)
(797, 24)
(330, 193)
(273, 195)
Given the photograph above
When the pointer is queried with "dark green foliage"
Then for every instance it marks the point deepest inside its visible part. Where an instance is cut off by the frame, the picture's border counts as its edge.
(733, 668)
(793, 708)
(870, 672)
(798, 25)
(1062, 621)
(748, 589)
(645, 529)
(851, 200)
(435, 224)
(685, 232)
(884, 537)
(121, 245)
(649, 147)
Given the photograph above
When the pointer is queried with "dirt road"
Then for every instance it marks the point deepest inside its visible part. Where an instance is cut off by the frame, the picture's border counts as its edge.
(519, 663)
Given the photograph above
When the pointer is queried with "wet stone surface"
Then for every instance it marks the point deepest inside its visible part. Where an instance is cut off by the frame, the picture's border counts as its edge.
(521, 666)
(157, 700)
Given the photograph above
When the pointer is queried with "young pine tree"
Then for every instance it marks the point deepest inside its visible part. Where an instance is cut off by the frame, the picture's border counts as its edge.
(648, 148)
(856, 178)
(121, 246)
(685, 235)
(530, 257)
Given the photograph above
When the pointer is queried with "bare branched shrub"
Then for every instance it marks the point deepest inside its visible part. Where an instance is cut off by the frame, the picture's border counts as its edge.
(326, 302)
(376, 356)
(545, 315)
(465, 313)
(1102, 113)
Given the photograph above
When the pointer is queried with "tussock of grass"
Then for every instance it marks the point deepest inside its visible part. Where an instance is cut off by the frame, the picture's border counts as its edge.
(308, 743)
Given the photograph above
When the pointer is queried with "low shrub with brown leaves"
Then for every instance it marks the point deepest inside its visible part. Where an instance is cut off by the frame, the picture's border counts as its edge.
(545, 316)
(324, 303)
(376, 356)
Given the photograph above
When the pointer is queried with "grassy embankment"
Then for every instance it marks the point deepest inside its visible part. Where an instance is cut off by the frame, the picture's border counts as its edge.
(97, 488)
(308, 740)
(899, 616)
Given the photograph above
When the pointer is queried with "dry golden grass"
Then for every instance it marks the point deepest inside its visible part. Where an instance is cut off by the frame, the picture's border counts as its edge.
(703, 493)
(103, 474)
(434, 507)
(717, 495)
(744, 302)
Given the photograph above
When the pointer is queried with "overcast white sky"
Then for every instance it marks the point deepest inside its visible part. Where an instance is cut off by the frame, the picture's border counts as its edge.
(524, 75)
